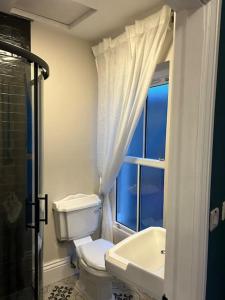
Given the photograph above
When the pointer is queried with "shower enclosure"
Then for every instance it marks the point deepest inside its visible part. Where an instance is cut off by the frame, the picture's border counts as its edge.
(23, 211)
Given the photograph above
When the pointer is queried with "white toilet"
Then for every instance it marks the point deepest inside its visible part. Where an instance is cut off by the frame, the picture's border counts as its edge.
(77, 217)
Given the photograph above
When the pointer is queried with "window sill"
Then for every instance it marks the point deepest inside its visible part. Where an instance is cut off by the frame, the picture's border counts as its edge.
(120, 232)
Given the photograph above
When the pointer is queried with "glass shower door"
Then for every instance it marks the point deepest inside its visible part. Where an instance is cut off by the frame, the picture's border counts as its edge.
(16, 246)
(23, 211)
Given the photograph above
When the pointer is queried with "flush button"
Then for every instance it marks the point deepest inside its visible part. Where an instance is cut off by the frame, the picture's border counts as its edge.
(214, 218)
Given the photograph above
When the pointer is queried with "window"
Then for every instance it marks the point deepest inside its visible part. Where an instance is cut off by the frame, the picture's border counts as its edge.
(140, 184)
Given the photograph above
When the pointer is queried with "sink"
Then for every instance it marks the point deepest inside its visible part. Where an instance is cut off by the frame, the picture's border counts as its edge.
(139, 260)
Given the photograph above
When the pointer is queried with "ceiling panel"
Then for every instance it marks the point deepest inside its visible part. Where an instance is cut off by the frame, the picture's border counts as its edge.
(65, 12)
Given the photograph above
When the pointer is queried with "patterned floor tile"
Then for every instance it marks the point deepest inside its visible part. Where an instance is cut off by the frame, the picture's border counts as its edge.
(66, 290)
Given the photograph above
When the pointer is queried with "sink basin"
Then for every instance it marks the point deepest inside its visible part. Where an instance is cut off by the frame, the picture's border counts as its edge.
(139, 260)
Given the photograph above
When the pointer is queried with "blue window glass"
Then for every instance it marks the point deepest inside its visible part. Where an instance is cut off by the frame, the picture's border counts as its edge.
(150, 136)
(127, 196)
(136, 146)
(156, 119)
(151, 197)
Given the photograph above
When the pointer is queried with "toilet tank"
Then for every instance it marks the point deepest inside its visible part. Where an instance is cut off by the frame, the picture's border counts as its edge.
(76, 216)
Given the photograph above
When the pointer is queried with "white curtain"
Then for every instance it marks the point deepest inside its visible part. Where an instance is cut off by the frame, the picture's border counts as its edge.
(125, 68)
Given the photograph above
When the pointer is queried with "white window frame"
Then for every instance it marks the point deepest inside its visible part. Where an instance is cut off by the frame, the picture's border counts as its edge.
(161, 76)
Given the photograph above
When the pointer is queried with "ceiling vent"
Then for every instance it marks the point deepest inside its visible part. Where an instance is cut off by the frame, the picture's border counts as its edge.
(65, 12)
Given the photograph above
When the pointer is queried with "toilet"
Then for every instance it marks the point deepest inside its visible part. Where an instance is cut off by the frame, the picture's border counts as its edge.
(77, 217)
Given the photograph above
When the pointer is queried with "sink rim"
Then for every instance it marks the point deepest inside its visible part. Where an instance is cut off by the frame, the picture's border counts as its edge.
(122, 267)
(111, 253)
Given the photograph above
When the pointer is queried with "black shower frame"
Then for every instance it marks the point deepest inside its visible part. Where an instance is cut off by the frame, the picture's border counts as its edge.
(29, 56)
(39, 63)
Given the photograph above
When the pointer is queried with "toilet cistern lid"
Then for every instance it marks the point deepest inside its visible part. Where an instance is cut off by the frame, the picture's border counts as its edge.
(76, 202)
(93, 253)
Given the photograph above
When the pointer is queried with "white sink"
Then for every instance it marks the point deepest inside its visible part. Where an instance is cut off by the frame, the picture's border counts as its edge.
(139, 260)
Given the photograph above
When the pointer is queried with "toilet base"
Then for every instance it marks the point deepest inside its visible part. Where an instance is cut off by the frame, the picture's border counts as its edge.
(94, 287)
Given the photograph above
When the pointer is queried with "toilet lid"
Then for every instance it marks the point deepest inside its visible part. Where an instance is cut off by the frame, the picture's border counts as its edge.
(93, 253)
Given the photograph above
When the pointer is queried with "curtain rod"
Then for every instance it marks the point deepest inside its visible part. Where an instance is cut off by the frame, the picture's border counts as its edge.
(29, 56)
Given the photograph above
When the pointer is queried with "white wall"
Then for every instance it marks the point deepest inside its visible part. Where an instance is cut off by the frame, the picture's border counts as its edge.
(69, 122)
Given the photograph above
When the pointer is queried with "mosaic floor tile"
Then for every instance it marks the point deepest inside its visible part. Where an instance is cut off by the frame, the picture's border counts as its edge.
(66, 290)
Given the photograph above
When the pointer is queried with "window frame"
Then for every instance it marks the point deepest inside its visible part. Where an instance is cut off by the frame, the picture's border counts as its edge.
(160, 77)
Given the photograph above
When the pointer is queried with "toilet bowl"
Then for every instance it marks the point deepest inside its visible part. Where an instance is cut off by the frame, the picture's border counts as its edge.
(77, 217)
(94, 281)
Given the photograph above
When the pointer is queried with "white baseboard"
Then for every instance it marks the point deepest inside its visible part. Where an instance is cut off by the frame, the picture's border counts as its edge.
(56, 270)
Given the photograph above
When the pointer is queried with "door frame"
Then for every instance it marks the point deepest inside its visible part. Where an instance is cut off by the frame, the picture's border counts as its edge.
(193, 93)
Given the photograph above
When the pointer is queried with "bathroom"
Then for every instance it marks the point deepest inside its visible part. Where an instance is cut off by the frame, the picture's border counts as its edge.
(74, 130)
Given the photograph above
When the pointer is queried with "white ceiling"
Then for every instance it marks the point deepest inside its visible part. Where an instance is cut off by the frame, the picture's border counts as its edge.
(88, 19)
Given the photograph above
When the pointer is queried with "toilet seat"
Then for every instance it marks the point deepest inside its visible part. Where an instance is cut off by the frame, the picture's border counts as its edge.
(93, 253)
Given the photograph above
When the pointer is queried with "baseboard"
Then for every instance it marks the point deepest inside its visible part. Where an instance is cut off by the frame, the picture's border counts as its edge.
(56, 270)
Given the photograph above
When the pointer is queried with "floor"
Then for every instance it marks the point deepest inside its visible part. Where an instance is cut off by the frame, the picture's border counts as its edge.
(66, 290)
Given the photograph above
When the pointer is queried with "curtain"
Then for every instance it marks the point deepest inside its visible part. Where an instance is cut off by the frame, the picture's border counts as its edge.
(125, 67)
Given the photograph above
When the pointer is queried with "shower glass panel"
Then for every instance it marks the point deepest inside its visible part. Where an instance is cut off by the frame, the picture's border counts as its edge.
(15, 239)
(23, 211)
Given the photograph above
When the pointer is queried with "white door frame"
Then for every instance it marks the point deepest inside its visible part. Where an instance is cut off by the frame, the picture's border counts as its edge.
(190, 150)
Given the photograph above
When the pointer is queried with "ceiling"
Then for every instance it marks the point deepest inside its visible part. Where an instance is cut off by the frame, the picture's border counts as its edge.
(65, 12)
(88, 19)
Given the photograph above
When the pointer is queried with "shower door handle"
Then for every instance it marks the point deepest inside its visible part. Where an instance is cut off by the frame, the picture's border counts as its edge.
(45, 198)
(32, 225)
